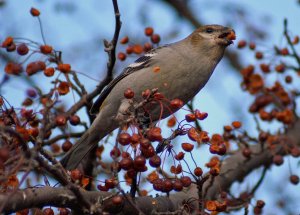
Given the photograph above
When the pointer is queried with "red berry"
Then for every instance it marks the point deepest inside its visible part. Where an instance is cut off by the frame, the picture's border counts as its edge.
(60, 120)
(139, 161)
(115, 152)
(124, 139)
(49, 72)
(22, 49)
(74, 120)
(46, 49)
(188, 147)
(252, 45)
(294, 179)
(186, 181)
(198, 171)
(66, 146)
(242, 44)
(34, 12)
(260, 203)
(155, 38)
(155, 161)
(149, 31)
(124, 40)
(126, 163)
(177, 185)
(128, 93)
(259, 55)
(122, 56)
(190, 117)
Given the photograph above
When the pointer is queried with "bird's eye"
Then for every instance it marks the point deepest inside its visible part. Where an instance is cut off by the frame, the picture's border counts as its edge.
(209, 30)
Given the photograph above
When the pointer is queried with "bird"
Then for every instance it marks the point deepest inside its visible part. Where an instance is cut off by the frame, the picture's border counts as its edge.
(178, 70)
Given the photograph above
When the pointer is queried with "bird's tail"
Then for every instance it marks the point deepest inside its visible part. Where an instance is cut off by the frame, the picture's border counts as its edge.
(78, 151)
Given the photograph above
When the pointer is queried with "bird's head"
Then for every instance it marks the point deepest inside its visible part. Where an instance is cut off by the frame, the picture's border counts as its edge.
(213, 35)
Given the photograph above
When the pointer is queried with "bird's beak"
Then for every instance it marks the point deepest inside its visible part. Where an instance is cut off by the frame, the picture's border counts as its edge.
(227, 37)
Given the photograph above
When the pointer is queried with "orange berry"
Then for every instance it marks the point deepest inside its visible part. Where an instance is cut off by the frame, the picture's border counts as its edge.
(122, 56)
(236, 124)
(49, 72)
(63, 88)
(190, 117)
(64, 67)
(138, 49)
(188, 147)
(124, 40)
(34, 12)
(13, 68)
(176, 103)
(129, 50)
(46, 49)
(171, 122)
(198, 171)
(149, 31)
(296, 40)
(7, 42)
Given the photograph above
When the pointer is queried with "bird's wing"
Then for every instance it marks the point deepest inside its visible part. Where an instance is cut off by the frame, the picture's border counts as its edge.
(140, 63)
